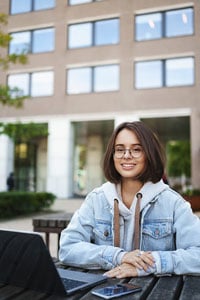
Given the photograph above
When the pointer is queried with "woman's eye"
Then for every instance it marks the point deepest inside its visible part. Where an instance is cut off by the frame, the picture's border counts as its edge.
(120, 150)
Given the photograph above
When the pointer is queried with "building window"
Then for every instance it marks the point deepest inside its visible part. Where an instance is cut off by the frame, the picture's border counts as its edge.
(36, 41)
(24, 6)
(148, 27)
(148, 74)
(34, 84)
(43, 4)
(160, 73)
(179, 22)
(179, 71)
(19, 83)
(170, 23)
(42, 84)
(43, 40)
(75, 2)
(106, 78)
(93, 79)
(20, 42)
(93, 33)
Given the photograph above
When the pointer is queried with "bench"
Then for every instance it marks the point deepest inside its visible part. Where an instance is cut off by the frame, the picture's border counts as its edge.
(51, 223)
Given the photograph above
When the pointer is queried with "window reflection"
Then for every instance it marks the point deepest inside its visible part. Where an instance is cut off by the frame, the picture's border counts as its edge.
(111, 27)
(80, 35)
(169, 72)
(180, 71)
(21, 82)
(42, 84)
(106, 78)
(148, 74)
(179, 22)
(23, 6)
(93, 33)
(36, 41)
(20, 6)
(20, 43)
(79, 80)
(43, 4)
(43, 40)
(93, 79)
(35, 84)
(75, 2)
(164, 24)
(148, 27)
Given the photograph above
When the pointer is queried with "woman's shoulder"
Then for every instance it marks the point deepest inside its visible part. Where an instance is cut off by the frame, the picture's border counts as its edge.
(98, 196)
(172, 197)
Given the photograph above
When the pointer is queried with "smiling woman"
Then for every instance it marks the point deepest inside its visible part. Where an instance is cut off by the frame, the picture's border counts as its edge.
(134, 224)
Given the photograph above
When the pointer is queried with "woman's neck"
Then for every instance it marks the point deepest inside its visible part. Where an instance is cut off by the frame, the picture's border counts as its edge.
(129, 188)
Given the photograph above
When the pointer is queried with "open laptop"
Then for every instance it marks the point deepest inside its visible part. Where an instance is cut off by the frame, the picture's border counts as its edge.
(26, 262)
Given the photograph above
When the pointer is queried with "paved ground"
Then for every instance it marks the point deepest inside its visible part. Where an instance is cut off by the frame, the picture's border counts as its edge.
(25, 223)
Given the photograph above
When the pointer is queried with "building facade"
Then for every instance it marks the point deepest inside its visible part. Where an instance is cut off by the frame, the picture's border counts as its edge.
(91, 65)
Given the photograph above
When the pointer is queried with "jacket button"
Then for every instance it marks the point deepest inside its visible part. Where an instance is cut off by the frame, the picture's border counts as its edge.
(106, 233)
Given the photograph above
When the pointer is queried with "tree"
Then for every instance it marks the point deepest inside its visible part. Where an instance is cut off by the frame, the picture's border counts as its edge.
(6, 93)
(20, 132)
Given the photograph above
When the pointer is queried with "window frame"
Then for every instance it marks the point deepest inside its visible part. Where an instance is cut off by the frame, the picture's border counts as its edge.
(81, 3)
(164, 73)
(31, 32)
(164, 24)
(32, 8)
(91, 84)
(93, 34)
(30, 82)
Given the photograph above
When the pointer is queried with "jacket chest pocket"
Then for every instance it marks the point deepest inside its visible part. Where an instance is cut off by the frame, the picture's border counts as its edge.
(103, 232)
(157, 235)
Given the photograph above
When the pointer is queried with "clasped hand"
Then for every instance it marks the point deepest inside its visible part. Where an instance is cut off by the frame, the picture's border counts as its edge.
(132, 261)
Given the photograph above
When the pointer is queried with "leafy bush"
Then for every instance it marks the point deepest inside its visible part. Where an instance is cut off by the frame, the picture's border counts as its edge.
(192, 192)
(20, 203)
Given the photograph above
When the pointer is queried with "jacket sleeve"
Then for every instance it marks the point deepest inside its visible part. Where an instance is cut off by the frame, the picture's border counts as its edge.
(76, 247)
(185, 259)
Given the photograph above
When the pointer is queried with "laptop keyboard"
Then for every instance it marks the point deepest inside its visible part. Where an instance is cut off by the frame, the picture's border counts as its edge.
(70, 283)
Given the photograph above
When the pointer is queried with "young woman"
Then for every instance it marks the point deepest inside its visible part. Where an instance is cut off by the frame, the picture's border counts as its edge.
(134, 224)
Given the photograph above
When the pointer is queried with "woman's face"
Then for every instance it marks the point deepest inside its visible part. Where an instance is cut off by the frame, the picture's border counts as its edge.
(129, 163)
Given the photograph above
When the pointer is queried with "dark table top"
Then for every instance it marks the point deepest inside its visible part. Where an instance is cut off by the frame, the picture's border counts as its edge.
(153, 288)
(52, 221)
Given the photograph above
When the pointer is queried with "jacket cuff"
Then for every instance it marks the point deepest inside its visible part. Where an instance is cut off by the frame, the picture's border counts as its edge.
(165, 263)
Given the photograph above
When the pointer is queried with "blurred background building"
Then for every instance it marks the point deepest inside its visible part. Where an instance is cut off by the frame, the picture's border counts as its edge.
(92, 65)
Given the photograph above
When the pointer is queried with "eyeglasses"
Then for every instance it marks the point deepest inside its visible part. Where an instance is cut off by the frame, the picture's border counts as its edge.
(135, 152)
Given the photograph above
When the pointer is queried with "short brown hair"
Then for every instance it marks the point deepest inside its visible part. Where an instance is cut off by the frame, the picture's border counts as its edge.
(154, 153)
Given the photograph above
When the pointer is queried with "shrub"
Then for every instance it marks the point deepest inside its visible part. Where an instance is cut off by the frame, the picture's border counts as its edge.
(191, 192)
(20, 203)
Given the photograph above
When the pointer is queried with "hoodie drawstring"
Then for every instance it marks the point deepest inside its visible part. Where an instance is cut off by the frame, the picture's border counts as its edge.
(116, 224)
(136, 243)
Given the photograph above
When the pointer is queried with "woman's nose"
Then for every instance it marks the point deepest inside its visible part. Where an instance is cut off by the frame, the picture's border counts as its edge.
(127, 153)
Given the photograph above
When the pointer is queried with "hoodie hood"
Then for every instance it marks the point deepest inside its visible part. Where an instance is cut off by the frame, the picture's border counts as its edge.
(149, 191)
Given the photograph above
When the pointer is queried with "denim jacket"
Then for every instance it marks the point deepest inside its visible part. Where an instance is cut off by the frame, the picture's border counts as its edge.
(169, 229)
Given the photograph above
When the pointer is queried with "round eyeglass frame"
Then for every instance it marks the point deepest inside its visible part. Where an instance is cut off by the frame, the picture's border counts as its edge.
(132, 152)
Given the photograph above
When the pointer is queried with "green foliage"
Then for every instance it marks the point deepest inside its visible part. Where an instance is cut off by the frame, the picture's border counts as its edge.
(6, 93)
(7, 99)
(13, 204)
(192, 192)
(178, 158)
(24, 132)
